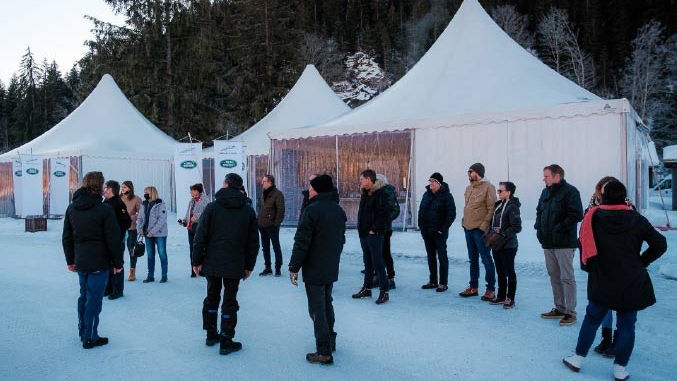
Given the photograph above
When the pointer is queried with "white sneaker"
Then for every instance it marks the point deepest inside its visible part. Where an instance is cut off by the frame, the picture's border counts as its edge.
(620, 374)
(573, 362)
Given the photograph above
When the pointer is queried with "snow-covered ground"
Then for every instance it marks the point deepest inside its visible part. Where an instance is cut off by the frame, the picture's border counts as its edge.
(156, 334)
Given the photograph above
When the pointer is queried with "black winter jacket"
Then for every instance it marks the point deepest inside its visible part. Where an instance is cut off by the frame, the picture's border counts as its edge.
(319, 240)
(617, 276)
(437, 210)
(373, 213)
(511, 223)
(121, 215)
(306, 200)
(91, 236)
(558, 213)
(393, 205)
(226, 241)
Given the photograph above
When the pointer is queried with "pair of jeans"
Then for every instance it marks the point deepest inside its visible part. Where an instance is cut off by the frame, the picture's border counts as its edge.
(372, 255)
(505, 270)
(608, 320)
(131, 240)
(267, 235)
(321, 311)
(161, 243)
(191, 236)
(229, 307)
(560, 266)
(92, 286)
(474, 240)
(625, 342)
(436, 249)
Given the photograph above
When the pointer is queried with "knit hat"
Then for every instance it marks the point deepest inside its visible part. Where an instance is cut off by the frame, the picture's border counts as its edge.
(478, 168)
(322, 183)
(437, 177)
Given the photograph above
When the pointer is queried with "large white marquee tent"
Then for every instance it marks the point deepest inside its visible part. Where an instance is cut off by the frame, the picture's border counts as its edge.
(476, 96)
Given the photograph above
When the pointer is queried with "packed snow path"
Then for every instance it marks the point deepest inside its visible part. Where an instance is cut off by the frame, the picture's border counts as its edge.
(156, 333)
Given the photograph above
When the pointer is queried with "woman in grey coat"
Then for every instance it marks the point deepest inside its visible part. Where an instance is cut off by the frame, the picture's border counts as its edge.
(152, 223)
(196, 206)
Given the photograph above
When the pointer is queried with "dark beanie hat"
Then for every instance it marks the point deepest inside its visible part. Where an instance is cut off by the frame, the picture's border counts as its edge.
(437, 177)
(478, 168)
(322, 183)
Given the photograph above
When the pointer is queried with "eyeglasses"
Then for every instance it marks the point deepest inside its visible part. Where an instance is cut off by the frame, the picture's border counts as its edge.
(501, 190)
(470, 171)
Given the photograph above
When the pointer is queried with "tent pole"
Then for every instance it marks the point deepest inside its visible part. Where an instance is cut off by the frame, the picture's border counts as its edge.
(337, 165)
(406, 197)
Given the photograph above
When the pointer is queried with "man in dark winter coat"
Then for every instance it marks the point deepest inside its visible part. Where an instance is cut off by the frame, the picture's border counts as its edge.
(393, 213)
(318, 243)
(224, 249)
(91, 243)
(372, 222)
(558, 212)
(612, 235)
(435, 216)
(116, 282)
(306, 196)
(271, 215)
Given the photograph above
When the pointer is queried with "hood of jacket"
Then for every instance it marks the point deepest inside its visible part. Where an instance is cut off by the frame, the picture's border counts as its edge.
(374, 188)
(230, 198)
(84, 200)
(616, 221)
(513, 200)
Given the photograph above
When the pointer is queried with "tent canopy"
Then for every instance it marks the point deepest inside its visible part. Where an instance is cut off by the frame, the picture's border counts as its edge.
(105, 124)
(473, 67)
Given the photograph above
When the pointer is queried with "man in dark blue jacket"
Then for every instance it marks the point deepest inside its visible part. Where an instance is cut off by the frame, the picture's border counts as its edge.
(318, 244)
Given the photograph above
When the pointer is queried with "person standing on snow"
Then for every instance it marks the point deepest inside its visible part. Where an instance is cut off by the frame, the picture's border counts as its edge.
(153, 221)
(91, 243)
(271, 215)
(393, 212)
(224, 250)
(196, 206)
(480, 197)
(435, 216)
(133, 204)
(318, 244)
(558, 212)
(612, 235)
(116, 282)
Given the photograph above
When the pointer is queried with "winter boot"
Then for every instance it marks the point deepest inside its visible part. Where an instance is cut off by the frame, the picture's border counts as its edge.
(488, 296)
(149, 279)
(278, 273)
(317, 358)
(332, 341)
(363, 293)
(611, 351)
(606, 341)
(429, 286)
(573, 362)
(382, 297)
(89, 344)
(209, 324)
(620, 374)
(227, 345)
(266, 272)
(163, 279)
(132, 275)
(470, 291)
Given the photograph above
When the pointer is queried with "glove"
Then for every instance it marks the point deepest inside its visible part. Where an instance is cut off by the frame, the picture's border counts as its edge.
(294, 278)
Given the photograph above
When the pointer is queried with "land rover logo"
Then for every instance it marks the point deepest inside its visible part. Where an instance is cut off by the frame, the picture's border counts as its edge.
(17, 173)
(32, 171)
(188, 164)
(59, 173)
(228, 163)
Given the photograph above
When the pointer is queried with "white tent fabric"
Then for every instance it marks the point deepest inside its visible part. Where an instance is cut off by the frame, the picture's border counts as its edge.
(310, 101)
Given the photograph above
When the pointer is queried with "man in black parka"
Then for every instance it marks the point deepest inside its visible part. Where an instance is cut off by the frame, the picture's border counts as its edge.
(116, 282)
(224, 250)
(318, 244)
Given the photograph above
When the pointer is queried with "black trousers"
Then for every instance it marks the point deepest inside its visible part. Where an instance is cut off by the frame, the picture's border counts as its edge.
(436, 249)
(229, 306)
(321, 311)
(116, 282)
(268, 235)
(505, 269)
(191, 236)
(388, 255)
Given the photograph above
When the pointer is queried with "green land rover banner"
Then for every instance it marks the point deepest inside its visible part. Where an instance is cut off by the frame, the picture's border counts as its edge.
(59, 171)
(31, 185)
(229, 157)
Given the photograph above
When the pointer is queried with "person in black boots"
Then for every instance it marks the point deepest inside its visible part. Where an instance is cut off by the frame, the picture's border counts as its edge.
(111, 192)
(506, 222)
(372, 221)
(318, 244)
(91, 243)
(435, 216)
(224, 249)
(393, 213)
(271, 215)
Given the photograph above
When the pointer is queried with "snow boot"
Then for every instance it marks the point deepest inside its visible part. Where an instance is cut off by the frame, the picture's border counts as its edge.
(382, 297)
(611, 351)
(429, 286)
(278, 273)
(266, 272)
(132, 275)
(317, 358)
(149, 279)
(605, 343)
(363, 293)
(227, 346)
(89, 344)
(163, 279)
(573, 362)
(620, 374)
(209, 324)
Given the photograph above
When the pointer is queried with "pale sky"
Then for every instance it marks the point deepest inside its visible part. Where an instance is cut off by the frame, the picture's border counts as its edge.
(54, 29)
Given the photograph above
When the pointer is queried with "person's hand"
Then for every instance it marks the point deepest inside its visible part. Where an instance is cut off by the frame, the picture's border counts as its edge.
(439, 232)
(197, 269)
(117, 271)
(71, 268)
(371, 232)
(294, 278)
(193, 219)
(149, 235)
(247, 274)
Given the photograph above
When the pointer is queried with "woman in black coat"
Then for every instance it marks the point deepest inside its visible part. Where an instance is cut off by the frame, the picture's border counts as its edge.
(611, 237)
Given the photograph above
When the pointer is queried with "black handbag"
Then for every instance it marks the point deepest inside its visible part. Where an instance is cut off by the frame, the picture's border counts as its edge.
(494, 240)
(139, 248)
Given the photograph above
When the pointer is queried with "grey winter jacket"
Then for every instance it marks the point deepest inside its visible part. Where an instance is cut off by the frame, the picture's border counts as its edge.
(157, 218)
(197, 208)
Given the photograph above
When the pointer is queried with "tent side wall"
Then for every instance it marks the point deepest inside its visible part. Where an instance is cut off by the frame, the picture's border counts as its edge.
(588, 147)
(6, 190)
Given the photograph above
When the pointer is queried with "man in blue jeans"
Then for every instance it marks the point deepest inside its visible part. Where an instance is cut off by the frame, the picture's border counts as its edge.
(480, 197)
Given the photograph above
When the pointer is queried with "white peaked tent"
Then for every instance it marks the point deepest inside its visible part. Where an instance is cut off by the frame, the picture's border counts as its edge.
(478, 96)
(107, 133)
(310, 101)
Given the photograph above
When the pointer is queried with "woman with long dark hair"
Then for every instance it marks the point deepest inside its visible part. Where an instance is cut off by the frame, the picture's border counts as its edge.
(133, 204)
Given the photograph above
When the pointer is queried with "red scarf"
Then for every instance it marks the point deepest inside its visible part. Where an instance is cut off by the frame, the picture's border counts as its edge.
(587, 237)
